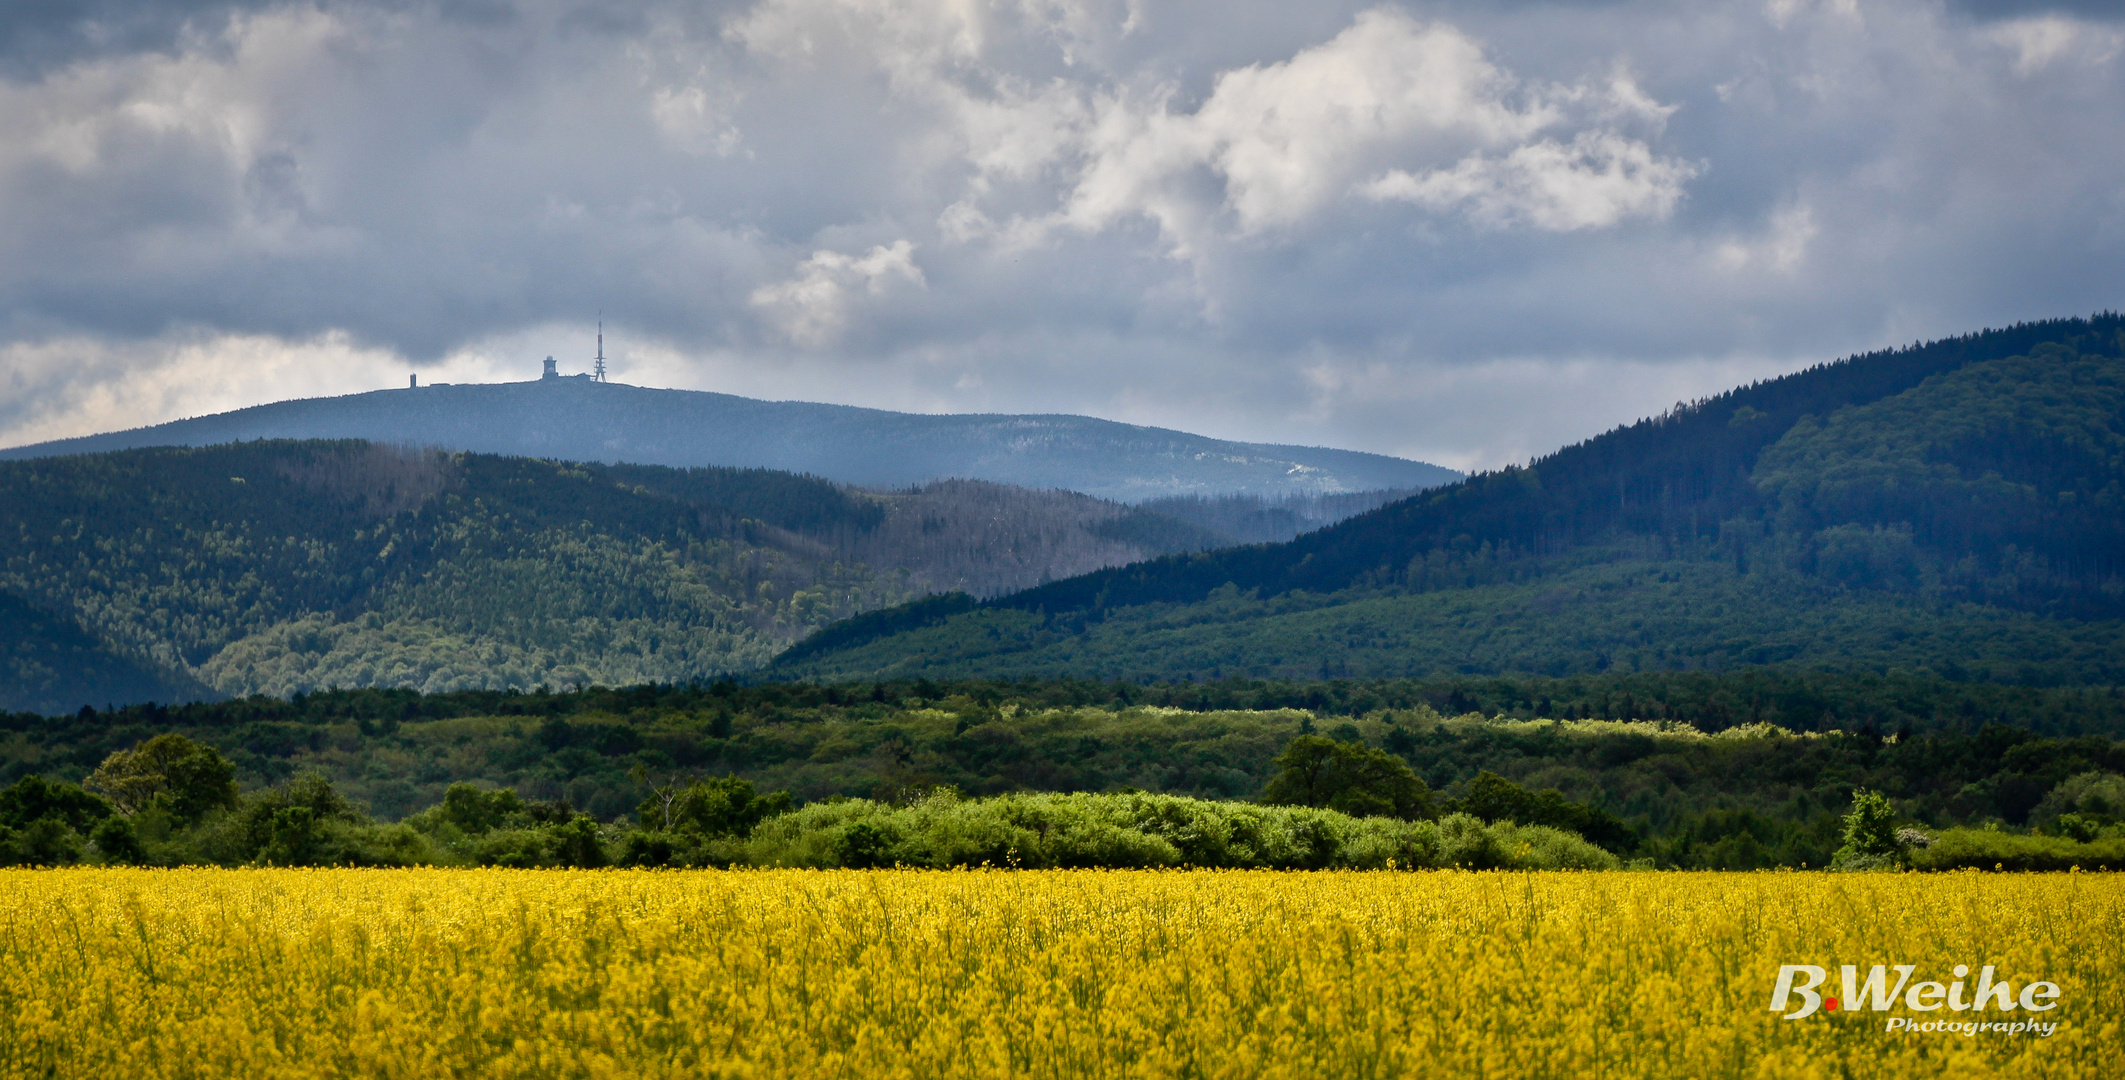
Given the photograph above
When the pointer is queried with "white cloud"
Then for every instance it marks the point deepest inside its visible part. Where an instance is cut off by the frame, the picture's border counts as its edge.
(1286, 139)
(76, 385)
(693, 120)
(1597, 180)
(1782, 248)
(813, 307)
(1783, 12)
(2044, 40)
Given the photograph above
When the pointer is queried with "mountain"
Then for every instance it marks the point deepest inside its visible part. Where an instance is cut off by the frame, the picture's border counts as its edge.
(280, 567)
(573, 418)
(1957, 506)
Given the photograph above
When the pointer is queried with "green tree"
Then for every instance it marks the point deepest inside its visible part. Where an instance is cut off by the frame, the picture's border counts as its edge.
(1494, 798)
(725, 806)
(575, 843)
(34, 798)
(43, 842)
(475, 810)
(118, 842)
(168, 772)
(1869, 834)
(1352, 778)
(292, 825)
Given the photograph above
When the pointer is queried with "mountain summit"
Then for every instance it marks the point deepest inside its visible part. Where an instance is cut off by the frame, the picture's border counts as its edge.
(578, 419)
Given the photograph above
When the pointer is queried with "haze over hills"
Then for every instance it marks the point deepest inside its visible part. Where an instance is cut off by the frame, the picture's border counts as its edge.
(573, 418)
(1957, 506)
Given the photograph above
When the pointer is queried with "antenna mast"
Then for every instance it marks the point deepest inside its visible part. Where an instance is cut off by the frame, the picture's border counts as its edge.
(597, 374)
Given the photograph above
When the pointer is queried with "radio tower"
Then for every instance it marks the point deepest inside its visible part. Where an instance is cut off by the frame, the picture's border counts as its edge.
(597, 374)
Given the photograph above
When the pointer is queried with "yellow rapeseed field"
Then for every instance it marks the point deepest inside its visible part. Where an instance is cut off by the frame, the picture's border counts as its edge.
(488, 973)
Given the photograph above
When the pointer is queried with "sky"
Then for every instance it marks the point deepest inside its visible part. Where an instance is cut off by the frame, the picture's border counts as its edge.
(1467, 233)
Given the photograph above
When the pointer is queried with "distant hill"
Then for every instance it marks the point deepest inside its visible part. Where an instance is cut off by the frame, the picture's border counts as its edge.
(573, 418)
(278, 567)
(1956, 506)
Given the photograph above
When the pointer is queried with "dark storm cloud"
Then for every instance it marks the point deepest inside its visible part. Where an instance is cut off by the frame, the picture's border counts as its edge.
(1462, 231)
(40, 35)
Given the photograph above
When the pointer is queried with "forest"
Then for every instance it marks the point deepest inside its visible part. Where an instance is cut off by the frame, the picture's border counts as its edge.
(1682, 770)
(1955, 507)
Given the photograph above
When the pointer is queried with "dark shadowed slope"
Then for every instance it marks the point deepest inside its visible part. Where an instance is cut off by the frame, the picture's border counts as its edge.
(49, 664)
(578, 420)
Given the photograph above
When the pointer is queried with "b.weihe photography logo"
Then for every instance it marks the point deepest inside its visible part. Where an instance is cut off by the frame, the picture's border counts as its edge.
(1796, 994)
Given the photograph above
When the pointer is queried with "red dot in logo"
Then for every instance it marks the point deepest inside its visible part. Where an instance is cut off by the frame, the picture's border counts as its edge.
(1830, 1004)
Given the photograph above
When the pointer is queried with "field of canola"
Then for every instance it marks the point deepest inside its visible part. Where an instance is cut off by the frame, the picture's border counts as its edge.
(872, 974)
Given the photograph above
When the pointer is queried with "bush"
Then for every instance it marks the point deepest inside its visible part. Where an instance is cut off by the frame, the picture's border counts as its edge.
(118, 841)
(575, 844)
(2092, 800)
(290, 825)
(33, 798)
(1135, 830)
(43, 842)
(1493, 798)
(655, 847)
(1984, 849)
(468, 810)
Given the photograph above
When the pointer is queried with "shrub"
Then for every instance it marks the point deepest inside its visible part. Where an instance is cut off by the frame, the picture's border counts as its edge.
(1494, 798)
(118, 841)
(1985, 849)
(43, 842)
(2092, 799)
(33, 798)
(1137, 830)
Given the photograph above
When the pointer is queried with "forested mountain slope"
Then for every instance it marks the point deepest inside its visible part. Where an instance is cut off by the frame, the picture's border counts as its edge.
(1958, 505)
(49, 664)
(579, 420)
(275, 567)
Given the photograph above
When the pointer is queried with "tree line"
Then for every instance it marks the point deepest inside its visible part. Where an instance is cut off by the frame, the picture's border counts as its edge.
(1622, 763)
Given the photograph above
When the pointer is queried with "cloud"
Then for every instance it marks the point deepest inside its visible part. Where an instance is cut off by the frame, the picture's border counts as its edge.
(812, 307)
(1782, 247)
(40, 37)
(1597, 180)
(56, 385)
(1287, 137)
(1423, 229)
(2040, 41)
(1283, 140)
